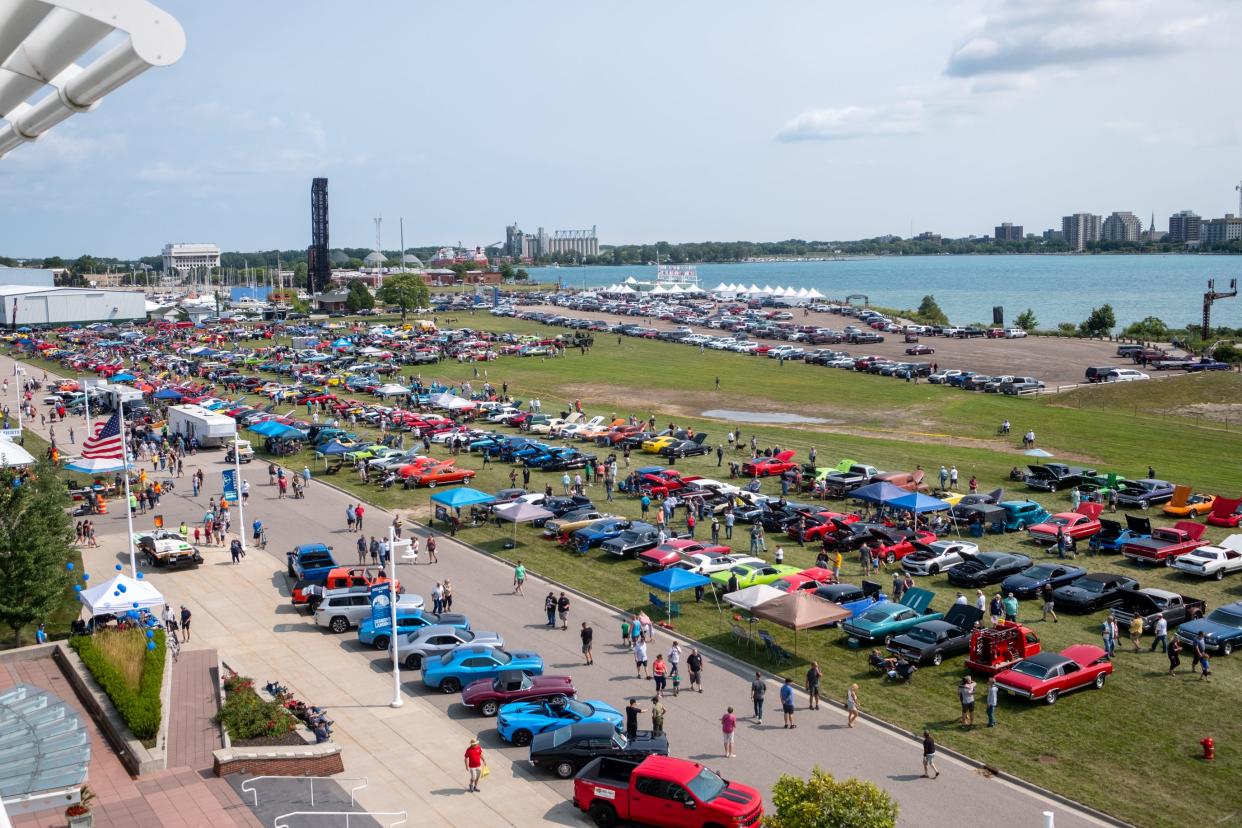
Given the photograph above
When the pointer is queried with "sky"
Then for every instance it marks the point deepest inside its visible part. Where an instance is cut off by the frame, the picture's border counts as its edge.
(652, 121)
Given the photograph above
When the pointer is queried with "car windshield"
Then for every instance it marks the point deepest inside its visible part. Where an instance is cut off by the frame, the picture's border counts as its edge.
(1031, 668)
(1090, 585)
(1229, 619)
(576, 707)
(561, 735)
(1059, 521)
(875, 615)
(706, 786)
(924, 635)
(1039, 572)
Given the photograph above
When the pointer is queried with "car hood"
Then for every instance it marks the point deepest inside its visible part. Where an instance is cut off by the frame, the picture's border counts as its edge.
(1213, 629)
(1073, 593)
(1019, 680)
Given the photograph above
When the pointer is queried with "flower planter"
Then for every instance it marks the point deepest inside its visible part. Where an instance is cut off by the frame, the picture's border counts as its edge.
(81, 820)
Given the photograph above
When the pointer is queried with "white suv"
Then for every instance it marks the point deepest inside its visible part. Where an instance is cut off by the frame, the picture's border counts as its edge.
(1124, 375)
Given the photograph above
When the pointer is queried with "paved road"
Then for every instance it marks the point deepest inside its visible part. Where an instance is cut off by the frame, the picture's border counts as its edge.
(412, 755)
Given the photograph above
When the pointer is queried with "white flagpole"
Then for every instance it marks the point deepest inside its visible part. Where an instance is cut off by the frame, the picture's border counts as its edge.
(129, 513)
(397, 701)
(237, 484)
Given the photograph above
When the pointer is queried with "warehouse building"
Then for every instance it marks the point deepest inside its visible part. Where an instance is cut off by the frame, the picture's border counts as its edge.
(52, 306)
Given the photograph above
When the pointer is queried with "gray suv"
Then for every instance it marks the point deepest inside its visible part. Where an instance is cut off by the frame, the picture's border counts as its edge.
(341, 609)
(439, 639)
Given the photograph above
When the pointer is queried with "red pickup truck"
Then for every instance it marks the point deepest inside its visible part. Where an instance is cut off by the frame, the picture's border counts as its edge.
(1166, 543)
(309, 592)
(664, 791)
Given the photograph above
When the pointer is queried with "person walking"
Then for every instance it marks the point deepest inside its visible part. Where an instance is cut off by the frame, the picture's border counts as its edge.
(758, 689)
(929, 756)
(437, 598)
(587, 634)
(728, 726)
(1109, 632)
(1201, 657)
(1136, 631)
(993, 695)
(787, 703)
(1045, 593)
(640, 657)
(362, 550)
(852, 705)
(1011, 608)
(549, 607)
(659, 671)
(694, 663)
(657, 716)
(519, 578)
(350, 517)
(632, 711)
(953, 478)
(1175, 655)
(448, 595)
(813, 675)
(431, 549)
(1160, 635)
(730, 519)
(475, 764)
(966, 694)
(185, 624)
(358, 511)
(562, 609)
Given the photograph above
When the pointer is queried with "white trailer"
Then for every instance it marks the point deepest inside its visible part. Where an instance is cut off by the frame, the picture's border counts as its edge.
(210, 428)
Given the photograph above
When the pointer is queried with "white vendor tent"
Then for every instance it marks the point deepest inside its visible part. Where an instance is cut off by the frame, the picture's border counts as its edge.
(11, 454)
(111, 598)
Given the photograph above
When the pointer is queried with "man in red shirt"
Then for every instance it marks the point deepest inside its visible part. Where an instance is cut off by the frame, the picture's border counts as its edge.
(358, 510)
(474, 764)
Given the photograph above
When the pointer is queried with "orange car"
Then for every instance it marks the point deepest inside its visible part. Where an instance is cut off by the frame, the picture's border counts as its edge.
(442, 473)
(1187, 504)
(420, 464)
(589, 434)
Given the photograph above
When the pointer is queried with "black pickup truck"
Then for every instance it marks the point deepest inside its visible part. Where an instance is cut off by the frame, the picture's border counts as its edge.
(1151, 604)
(1049, 477)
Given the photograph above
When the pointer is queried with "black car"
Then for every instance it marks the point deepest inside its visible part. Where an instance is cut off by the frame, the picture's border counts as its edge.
(931, 641)
(687, 448)
(567, 461)
(1092, 592)
(560, 506)
(630, 542)
(982, 568)
(566, 749)
(1029, 582)
(1050, 477)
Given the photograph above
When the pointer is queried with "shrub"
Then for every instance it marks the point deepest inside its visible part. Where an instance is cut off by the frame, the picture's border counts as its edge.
(823, 802)
(246, 716)
(139, 706)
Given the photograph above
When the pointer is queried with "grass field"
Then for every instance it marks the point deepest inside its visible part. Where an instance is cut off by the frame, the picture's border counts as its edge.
(1129, 749)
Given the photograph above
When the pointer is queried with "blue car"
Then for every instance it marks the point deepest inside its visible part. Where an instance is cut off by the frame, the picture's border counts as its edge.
(853, 598)
(408, 620)
(1222, 630)
(1029, 582)
(1019, 514)
(518, 722)
(602, 530)
(1111, 537)
(454, 670)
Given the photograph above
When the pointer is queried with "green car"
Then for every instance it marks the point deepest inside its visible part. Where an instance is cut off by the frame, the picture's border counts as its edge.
(882, 621)
(751, 574)
(367, 452)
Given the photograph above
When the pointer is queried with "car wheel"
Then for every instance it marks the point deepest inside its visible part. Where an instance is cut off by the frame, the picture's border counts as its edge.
(1099, 681)
(890, 558)
(431, 484)
(1092, 606)
(413, 662)
(522, 738)
(1220, 574)
(450, 685)
(1051, 698)
(489, 708)
(338, 625)
(1226, 648)
(565, 770)
(380, 642)
(937, 658)
(603, 814)
(1143, 505)
(933, 570)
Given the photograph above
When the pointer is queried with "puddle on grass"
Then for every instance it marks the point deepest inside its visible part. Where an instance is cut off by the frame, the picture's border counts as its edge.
(767, 417)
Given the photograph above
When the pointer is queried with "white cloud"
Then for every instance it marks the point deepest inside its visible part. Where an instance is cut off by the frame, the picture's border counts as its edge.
(1022, 35)
(904, 117)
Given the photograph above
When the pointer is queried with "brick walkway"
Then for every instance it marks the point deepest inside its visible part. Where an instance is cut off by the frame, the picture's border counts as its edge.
(192, 735)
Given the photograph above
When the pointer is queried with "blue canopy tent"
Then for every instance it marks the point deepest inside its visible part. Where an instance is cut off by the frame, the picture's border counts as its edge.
(919, 503)
(673, 580)
(881, 492)
(267, 428)
(456, 499)
(123, 377)
(168, 394)
(332, 449)
(288, 433)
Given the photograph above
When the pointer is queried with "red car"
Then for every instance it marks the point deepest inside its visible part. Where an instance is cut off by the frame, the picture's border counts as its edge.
(895, 544)
(1226, 511)
(819, 525)
(812, 578)
(662, 482)
(919, 350)
(672, 551)
(767, 466)
(439, 474)
(1047, 675)
(1079, 524)
(487, 695)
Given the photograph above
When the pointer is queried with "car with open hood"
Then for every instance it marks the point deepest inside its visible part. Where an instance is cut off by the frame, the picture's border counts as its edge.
(1188, 504)
(934, 558)
(1047, 676)
(1113, 538)
(1226, 511)
(982, 568)
(779, 463)
(886, 619)
(1051, 477)
(1139, 494)
(1079, 524)
(933, 641)
(1092, 592)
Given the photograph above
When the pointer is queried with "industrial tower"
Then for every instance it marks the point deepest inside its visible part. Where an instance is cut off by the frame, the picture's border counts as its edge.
(318, 263)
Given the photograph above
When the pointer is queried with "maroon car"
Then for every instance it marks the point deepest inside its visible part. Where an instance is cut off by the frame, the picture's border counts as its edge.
(487, 695)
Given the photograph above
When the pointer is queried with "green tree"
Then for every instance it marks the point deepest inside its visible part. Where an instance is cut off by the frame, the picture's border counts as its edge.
(405, 290)
(359, 297)
(35, 533)
(1228, 352)
(1150, 328)
(506, 272)
(85, 264)
(823, 802)
(1067, 328)
(1026, 320)
(521, 275)
(1101, 321)
(930, 312)
(299, 274)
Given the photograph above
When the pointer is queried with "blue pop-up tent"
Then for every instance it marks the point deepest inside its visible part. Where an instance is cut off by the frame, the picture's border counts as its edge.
(882, 492)
(916, 502)
(168, 394)
(673, 580)
(464, 496)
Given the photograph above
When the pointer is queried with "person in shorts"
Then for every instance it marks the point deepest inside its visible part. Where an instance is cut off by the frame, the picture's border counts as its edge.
(728, 725)
(929, 756)
(474, 764)
(694, 663)
(966, 694)
(588, 635)
(787, 702)
(640, 658)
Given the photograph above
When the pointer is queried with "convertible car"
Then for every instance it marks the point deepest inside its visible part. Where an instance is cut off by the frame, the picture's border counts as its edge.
(1048, 675)
(488, 695)
(1188, 504)
(457, 668)
(518, 722)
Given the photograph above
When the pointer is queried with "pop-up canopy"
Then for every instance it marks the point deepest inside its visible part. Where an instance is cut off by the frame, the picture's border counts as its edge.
(120, 594)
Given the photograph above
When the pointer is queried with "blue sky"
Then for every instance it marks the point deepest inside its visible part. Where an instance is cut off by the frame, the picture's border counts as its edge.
(655, 121)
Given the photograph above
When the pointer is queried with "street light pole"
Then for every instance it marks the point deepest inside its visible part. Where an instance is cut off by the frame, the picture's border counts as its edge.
(393, 546)
(237, 481)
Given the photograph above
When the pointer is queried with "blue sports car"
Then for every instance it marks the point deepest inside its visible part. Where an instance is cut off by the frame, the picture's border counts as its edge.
(1029, 582)
(602, 530)
(408, 620)
(454, 670)
(520, 721)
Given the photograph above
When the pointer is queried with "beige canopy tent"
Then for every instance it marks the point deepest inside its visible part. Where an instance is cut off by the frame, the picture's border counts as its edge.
(800, 609)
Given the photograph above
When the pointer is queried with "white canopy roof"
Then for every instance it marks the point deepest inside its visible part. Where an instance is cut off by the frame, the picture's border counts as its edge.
(753, 596)
(120, 594)
(11, 454)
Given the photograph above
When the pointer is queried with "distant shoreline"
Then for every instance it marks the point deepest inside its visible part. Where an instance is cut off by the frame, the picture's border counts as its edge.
(869, 256)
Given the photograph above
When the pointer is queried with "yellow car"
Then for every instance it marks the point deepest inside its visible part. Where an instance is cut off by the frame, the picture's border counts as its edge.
(654, 445)
(564, 528)
(1185, 504)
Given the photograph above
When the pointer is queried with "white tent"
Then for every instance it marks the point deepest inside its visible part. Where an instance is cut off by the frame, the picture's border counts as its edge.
(11, 454)
(659, 290)
(754, 288)
(119, 595)
(803, 293)
(720, 288)
(753, 596)
(392, 389)
(815, 294)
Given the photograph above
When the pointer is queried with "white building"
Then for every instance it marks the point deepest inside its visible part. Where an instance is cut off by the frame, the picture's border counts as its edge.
(184, 259)
(51, 306)
(26, 276)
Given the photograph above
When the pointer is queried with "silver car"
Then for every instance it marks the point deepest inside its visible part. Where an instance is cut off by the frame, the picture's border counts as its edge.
(933, 558)
(439, 639)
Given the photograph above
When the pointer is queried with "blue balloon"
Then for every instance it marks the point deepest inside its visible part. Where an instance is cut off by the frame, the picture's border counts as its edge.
(140, 575)
(118, 567)
(150, 634)
(69, 565)
(150, 645)
(135, 605)
(86, 576)
(121, 587)
(77, 587)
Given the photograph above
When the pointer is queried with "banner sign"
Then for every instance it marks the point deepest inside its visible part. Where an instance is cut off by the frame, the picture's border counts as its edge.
(230, 485)
(381, 606)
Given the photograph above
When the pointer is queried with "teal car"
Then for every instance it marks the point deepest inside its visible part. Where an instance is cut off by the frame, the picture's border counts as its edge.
(887, 619)
(1019, 514)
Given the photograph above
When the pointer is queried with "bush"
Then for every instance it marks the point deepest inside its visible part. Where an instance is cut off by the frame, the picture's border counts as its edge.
(247, 717)
(140, 708)
(823, 802)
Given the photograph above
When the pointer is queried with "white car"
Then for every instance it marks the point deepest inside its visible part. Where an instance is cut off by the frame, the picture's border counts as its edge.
(705, 564)
(574, 429)
(1124, 375)
(936, 557)
(503, 413)
(1212, 561)
(553, 425)
(1015, 333)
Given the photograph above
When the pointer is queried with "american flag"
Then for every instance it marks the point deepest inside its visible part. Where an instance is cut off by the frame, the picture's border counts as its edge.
(106, 443)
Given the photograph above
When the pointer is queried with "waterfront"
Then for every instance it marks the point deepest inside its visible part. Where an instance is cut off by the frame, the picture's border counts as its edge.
(1057, 288)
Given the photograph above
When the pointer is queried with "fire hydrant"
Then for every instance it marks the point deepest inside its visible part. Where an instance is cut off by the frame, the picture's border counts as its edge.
(1209, 748)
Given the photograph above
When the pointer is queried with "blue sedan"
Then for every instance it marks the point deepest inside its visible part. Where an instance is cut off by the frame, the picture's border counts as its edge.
(1029, 582)
(602, 530)
(408, 620)
(454, 670)
(520, 721)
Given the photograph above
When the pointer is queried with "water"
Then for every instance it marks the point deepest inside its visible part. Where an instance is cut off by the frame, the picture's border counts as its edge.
(766, 417)
(1057, 288)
